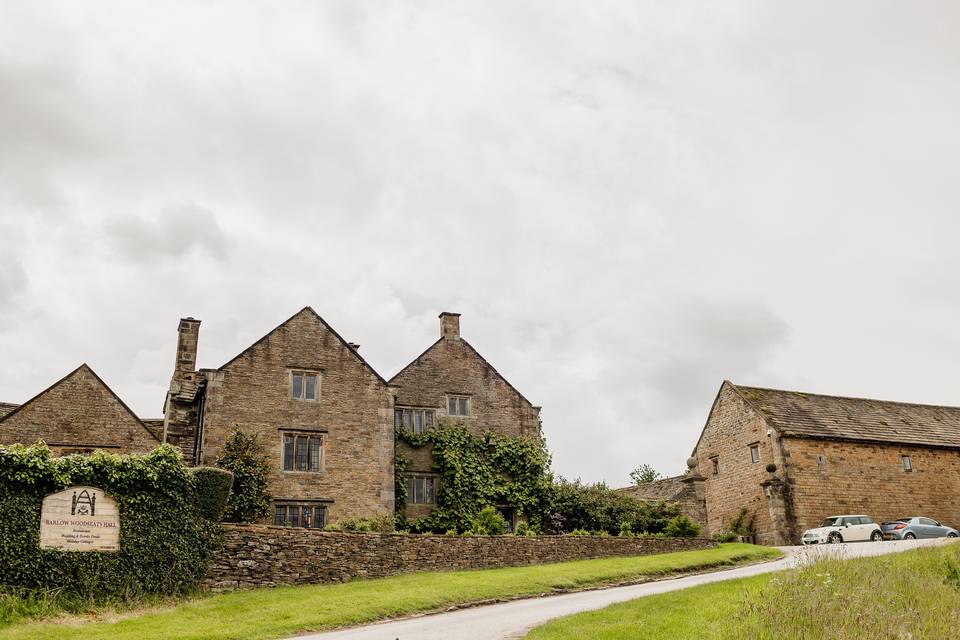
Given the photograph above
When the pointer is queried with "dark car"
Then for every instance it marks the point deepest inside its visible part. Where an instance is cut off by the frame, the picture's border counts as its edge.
(916, 527)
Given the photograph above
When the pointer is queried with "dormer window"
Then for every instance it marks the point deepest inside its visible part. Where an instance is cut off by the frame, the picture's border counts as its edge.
(305, 385)
(458, 405)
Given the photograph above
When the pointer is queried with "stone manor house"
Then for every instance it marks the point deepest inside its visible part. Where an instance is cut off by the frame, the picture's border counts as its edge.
(832, 455)
(325, 416)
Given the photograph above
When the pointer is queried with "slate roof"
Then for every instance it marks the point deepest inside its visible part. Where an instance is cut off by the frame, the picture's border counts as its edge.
(833, 417)
(664, 489)
(7, 407)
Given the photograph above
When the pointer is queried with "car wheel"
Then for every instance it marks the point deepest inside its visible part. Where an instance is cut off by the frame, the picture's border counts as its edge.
(876, 536)
(910, 536)
(951, 535)
(834, 538)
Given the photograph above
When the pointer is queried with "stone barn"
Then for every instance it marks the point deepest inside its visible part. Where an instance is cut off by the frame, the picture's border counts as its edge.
(833, 455)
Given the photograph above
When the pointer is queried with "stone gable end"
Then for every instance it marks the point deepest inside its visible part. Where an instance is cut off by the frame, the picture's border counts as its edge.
(354, 413)
(78, 412)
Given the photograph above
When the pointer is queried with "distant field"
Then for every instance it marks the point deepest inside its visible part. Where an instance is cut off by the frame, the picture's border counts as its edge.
(284, 611)
(910, 595)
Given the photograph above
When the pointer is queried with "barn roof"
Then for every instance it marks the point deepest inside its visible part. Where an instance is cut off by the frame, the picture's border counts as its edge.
(835, 417)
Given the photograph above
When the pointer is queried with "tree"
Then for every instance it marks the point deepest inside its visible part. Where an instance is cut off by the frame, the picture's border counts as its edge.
(645, 474)
(245, 457)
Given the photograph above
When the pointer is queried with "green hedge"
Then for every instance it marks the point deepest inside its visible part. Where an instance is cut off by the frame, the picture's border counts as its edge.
(165, 544)
(213, 491)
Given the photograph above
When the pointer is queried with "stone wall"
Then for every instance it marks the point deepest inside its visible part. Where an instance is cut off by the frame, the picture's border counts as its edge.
(730, 430)
(835, 477)
(257, 555)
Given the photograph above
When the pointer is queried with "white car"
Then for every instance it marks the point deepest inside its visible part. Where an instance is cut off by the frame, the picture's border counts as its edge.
(844, 529)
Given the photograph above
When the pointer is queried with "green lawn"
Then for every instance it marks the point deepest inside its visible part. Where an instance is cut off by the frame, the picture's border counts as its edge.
(274, 613)
(915, 594)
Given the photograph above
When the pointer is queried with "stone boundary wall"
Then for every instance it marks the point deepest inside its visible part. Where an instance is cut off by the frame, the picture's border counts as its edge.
(261, 555)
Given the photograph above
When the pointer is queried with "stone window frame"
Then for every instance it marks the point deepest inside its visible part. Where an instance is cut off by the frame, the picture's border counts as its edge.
(906, 462)
(461, 401)
(428, 417)
(315, 507)
(303, 432)
(754, 449)
(303, 387)
(414, 476)
(715, 461)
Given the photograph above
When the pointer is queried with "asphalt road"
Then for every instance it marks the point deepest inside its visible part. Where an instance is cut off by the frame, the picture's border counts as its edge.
(516, 618)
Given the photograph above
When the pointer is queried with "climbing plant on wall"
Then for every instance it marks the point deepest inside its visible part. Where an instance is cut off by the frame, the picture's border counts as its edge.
(479, 471)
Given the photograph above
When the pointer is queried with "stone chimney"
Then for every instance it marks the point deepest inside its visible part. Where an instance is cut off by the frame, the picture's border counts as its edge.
(189, 334)
(450, 325)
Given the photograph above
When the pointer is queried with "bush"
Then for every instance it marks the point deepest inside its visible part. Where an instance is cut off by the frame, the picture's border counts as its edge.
(579, 532)
(165, 544)
(488, 522)
(595, 507)
(725, 536)
(244, 456)
(626, 529)
(682, 526)
(213, 491)
(524, 530)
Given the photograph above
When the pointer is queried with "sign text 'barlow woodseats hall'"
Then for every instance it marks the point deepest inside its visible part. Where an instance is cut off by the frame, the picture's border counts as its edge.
(80, 519)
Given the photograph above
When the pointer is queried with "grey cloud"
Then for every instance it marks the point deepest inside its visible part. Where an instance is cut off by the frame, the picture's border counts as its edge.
(173, 234)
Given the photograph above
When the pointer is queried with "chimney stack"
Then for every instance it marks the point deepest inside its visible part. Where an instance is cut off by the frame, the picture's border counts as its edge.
(189, 334)
(450, 325)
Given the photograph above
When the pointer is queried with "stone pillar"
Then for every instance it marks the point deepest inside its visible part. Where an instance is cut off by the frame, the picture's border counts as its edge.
(775, 489)
(696, 503)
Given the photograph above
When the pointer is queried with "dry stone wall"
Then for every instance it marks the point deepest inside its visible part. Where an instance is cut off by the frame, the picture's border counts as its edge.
(259, 555)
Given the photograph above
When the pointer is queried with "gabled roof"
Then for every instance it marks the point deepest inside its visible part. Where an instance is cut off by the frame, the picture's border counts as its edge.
(475, 353)
(307, 310)
(664, 489)
(812, 415)
(7, 407)
(82, 368)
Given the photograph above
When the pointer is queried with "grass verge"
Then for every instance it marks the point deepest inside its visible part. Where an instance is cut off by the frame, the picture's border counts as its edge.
(274, 613)
(914, 594)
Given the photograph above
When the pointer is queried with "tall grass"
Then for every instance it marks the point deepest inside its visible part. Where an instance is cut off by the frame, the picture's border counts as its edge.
(907, 595)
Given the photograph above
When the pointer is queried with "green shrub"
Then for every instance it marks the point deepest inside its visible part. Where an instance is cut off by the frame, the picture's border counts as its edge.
(523, 529)
(579, 532)
(488, 522)
(626, 529)
(595, 507)
(213, 491)
(244, 456)
(681, 526)
(725, 536)
(165, 544)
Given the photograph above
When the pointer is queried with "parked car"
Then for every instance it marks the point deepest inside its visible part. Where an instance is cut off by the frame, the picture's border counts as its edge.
(917, 527)
(844, 529)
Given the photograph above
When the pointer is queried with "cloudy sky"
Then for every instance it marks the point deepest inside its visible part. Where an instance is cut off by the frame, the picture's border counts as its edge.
(627, 201)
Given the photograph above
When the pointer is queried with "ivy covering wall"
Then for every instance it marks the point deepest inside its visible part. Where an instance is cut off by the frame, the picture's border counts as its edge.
(165, 542)
(476, 472)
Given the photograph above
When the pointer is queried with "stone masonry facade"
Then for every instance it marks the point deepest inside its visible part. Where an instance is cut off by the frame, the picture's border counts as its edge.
(833, 456)
(325, 417)
(452, 371)
(258, 556)
(77, 414)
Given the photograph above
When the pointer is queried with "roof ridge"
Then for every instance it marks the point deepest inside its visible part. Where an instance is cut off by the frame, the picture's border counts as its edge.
(857, 398)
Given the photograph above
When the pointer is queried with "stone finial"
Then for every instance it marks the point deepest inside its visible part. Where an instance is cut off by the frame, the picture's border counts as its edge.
(692, 464)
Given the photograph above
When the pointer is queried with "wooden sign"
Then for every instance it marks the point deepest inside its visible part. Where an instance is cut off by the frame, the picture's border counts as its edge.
(80, 519)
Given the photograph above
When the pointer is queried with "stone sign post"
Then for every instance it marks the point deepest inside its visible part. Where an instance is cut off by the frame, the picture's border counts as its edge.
(80, 519)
